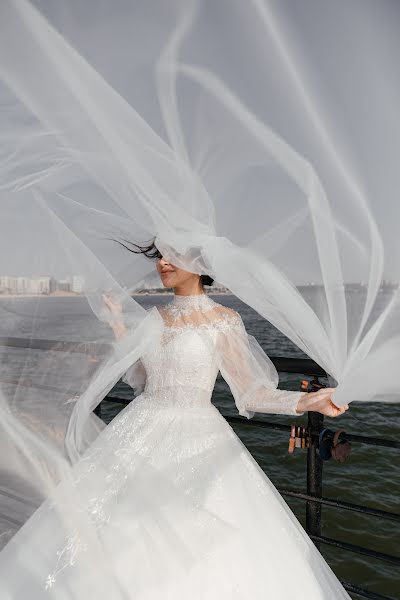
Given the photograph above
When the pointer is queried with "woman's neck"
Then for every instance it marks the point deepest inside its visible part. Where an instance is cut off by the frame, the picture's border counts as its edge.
(178, 291)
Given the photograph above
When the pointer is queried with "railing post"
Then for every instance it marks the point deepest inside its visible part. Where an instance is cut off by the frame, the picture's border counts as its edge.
(314, 476)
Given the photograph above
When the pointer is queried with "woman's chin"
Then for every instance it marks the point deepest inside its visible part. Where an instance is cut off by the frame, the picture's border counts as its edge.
(168, 284)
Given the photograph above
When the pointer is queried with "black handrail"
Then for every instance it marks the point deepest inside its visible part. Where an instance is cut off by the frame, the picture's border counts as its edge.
(350, 587)
(56, 345)
(363, 439)
(374, 512)
(395, 560)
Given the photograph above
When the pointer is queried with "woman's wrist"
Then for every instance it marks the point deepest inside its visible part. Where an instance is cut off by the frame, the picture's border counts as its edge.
(321, 401)
(301, 406)
(118, 328)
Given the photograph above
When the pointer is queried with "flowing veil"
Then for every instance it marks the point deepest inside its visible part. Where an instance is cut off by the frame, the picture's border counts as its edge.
(257, 142)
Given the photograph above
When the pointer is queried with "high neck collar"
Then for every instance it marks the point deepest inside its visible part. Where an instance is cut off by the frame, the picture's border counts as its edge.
(189, 298)
(191, 302)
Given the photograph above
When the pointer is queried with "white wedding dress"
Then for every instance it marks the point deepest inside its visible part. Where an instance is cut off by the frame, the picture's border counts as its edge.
(179, 507)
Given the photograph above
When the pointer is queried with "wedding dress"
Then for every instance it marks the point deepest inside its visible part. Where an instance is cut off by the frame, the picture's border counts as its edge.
(179, 506)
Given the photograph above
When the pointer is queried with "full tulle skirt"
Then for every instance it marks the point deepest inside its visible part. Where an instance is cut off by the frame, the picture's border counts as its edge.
(166, 503)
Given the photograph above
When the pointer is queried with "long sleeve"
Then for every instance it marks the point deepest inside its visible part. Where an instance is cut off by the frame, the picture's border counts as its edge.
(250, 374)
(135, 376)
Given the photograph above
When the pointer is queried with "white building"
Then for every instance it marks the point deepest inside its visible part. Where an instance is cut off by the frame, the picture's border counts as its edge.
(26, 285)
(39, 285)
(23, 285)
(77, 284)
(64, 285)
(8, 285)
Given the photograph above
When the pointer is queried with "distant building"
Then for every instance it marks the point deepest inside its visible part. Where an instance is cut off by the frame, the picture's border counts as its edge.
(77, 284)
(23, 285)
(39, 285)
(8, 285)
(64, 285)
(53, 285)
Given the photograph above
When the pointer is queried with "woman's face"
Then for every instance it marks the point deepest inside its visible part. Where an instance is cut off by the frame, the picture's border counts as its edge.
(171, 276)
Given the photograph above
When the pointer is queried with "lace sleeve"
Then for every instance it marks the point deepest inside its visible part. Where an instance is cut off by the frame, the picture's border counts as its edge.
(135, 376)
(250, 374)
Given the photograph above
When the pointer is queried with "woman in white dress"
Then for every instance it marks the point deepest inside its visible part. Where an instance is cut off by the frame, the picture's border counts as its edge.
(166, 501)
(178, 506)
(248, 544)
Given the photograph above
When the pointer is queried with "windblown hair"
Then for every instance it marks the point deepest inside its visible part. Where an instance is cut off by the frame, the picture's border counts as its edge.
(151, 251)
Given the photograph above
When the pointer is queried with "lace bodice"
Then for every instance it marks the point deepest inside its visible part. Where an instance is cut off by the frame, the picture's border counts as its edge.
(200, 338)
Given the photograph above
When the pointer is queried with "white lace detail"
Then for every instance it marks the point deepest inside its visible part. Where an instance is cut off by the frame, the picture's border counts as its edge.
(66, 556)
(225, 323)
(184, 305)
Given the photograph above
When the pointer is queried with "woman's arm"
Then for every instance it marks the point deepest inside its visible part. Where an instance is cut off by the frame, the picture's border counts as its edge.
(135, 376)
(253, 379)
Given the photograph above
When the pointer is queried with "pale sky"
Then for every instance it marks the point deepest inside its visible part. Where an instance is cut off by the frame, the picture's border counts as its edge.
(324, 77)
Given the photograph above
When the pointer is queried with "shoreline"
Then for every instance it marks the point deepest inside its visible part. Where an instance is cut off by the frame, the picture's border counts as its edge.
(72, 295)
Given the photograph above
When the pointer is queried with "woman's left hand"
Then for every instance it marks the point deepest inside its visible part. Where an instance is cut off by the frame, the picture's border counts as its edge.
(115, 320)
(114, 307)
(321, 401)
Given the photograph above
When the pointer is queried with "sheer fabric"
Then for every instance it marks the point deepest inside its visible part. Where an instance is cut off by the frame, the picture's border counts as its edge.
(256, 141)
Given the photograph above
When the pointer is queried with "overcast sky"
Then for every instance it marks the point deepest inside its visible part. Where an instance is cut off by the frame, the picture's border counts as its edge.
(323, 75)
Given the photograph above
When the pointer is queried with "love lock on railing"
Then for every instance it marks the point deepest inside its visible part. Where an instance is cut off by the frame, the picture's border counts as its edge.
(331, 444)
(299, 438)
(334, 445)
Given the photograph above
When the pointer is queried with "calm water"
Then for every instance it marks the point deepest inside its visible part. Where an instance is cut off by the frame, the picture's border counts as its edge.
(370, 477)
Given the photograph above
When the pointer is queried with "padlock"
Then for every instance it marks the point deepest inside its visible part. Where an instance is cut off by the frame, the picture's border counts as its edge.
(341, 448)
(298, 437)
(292, 440)
(303, 437)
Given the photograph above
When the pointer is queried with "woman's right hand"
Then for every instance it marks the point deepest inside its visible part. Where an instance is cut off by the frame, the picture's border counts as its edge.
(321, 401)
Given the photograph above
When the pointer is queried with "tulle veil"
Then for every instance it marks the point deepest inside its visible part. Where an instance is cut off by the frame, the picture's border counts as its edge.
(257, 143)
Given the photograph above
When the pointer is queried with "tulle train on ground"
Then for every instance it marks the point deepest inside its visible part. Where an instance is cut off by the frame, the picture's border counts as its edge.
(182, 510)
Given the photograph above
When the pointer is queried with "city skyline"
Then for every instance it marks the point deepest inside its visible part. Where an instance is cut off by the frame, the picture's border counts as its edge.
(42, 285)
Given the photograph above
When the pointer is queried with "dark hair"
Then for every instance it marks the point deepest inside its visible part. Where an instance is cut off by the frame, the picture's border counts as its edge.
(151, 251)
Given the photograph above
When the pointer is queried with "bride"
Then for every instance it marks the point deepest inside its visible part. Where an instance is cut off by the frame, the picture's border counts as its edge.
(247, 540)
(154, 120)
(167, 502)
